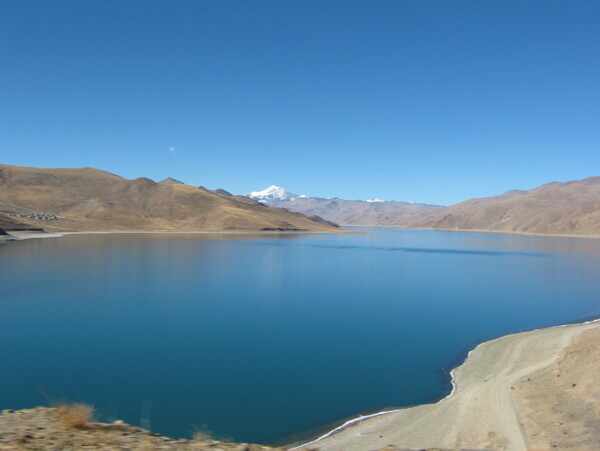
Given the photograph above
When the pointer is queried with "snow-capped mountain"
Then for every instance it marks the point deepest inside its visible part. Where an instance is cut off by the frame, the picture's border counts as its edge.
(274, 193)
(374, 200)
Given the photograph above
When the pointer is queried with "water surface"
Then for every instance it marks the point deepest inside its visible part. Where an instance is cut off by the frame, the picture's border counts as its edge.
(257, 338)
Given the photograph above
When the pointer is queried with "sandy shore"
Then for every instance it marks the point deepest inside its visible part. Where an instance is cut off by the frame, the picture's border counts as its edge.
(509, 395)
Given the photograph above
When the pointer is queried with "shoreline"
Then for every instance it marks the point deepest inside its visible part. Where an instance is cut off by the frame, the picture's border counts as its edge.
(351, 423)
(17, 425)
(329, 438)
(344, 230)
(20, 236)
(495, 232)
(500, 232)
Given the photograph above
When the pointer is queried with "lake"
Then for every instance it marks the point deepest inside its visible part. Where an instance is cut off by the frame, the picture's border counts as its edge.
(272, 337)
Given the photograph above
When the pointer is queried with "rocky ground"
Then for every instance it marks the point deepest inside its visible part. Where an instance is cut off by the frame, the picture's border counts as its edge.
(560, 405)
(44, 428)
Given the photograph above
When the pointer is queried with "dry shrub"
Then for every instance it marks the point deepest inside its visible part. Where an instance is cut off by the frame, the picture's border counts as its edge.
(76, 415)
(202, 436)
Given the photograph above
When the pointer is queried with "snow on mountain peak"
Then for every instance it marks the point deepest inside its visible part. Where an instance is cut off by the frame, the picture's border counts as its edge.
(273, 192)
(374, 200)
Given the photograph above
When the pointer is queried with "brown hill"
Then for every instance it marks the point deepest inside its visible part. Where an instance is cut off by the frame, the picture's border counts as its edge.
(87, 199)
(571, 208)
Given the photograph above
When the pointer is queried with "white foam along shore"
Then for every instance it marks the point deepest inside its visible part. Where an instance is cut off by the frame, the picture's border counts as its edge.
(452, 393)
(360, 418)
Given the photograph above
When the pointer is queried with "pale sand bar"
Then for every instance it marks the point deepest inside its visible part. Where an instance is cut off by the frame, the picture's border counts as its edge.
(17, 236)
(522, 370)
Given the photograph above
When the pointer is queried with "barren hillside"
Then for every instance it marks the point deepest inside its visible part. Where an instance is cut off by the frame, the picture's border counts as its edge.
(570, 208)
(88, 199)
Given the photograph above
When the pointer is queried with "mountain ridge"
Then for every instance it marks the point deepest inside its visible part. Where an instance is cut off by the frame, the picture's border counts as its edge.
(87, 199)
(555, 208)
(371, 212)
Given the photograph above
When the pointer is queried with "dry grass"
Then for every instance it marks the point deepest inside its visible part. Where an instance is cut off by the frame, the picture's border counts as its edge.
(75, 415)
(202, 436)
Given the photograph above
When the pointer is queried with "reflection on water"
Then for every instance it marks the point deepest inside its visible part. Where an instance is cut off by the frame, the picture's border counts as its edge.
(262, 336)
(432, 251)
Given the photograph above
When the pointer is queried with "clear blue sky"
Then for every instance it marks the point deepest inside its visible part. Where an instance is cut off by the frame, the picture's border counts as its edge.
(429, 101)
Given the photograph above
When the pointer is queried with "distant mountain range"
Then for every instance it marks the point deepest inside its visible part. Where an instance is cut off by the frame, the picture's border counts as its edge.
(91, 199)
(571, 208)
(371, 212)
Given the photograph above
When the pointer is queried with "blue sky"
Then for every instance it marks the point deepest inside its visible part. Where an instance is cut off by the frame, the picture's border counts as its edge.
(428, 101)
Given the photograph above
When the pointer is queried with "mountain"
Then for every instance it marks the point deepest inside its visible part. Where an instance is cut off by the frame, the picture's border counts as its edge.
(170, 181)
(570, 208)
(371, 212)
(91, 199)
(274, 193)
(554, 208)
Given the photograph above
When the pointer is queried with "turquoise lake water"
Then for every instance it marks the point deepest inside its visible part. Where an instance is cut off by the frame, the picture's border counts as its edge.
(261, 338)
